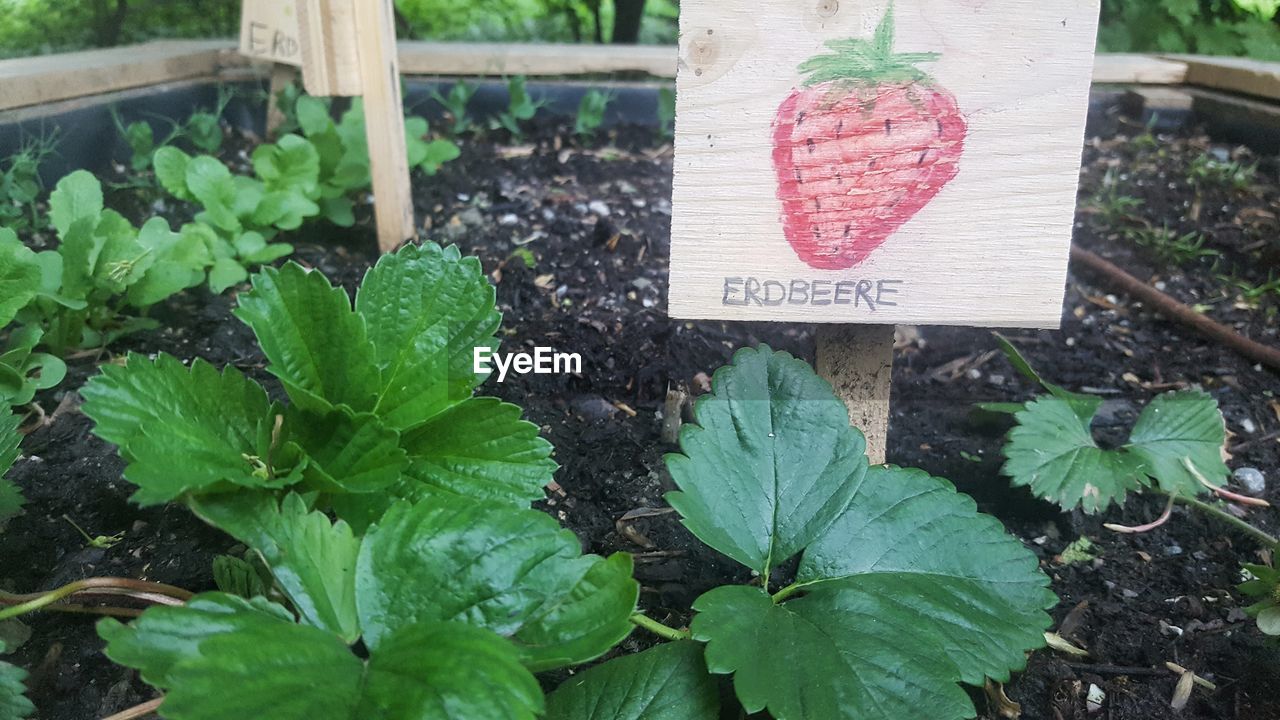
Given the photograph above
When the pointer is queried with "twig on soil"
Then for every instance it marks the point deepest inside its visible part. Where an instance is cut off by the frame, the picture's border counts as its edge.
(657, 628)
(137, 711)
(1175, 310)
(1115, 669)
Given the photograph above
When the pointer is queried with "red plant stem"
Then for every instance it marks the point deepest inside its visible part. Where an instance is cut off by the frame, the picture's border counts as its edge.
(1136, 530)
(1175, 310)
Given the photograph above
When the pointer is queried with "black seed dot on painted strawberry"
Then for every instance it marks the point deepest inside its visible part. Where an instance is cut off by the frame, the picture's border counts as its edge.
(839, 129)
(873, 164)
(888, 127)
(941, 132)
(799, 177)
(923, 155)
(811, 145)
(848, 230)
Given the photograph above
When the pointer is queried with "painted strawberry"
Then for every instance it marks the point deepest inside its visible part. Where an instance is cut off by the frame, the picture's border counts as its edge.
(866, 143)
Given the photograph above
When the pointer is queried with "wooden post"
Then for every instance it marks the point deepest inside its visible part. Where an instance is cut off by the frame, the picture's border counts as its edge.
(384, 122)
(858, 362)
(349, 48)
(281, 76)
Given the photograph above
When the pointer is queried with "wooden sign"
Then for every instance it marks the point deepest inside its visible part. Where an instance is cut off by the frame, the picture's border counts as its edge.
(347, 48)
(269, 31)
(872, 162)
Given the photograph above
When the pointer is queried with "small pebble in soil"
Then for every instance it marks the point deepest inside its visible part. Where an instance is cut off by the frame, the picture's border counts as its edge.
(1252, 480)
(1173, 550)
(1248, 427)
(1095, 698)
(599, 208)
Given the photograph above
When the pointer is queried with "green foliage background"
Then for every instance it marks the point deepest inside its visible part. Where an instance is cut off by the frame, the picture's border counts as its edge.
(30, 27)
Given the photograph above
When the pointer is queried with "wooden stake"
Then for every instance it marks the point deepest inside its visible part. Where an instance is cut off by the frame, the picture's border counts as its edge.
(281, 76)
(384, 122)
(858, 362)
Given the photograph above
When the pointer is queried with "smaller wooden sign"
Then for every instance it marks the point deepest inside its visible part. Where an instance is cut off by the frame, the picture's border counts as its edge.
(269, 31)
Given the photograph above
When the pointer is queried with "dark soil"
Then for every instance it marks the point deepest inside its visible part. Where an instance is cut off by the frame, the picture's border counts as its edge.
(597, 287)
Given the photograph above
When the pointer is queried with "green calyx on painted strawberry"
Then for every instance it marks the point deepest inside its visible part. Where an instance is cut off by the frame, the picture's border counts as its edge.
(862, 147)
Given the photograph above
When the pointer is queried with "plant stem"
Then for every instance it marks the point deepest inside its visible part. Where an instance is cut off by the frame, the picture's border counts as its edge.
(657, 628)
(787, 592)
(1254, 532)
(149, 592)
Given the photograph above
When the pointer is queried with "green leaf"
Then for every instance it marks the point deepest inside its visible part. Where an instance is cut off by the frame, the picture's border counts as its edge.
(588, 621)
(953, 598)
(235, 576)
(165, 636)
(226, 272)
(505, 569)
(213, 185)
(313, 116)
(1052, 451)
(668, 682)
(178, 262)
(77, 197)
(10, 499)
(771, 463)
(221, 656)
(427, 309)
(216, 426)
(14, 704)
(450, 671)
(312, 558)
(1085, 406)
(19, 276)
(347, 452)
(316, 344)
(290, 164)
(1179, 428)
(171, 170)
(436, 153)
(481, 448)
(284, 209)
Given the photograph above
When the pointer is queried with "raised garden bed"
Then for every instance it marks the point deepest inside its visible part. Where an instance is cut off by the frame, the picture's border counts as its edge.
(594, 218)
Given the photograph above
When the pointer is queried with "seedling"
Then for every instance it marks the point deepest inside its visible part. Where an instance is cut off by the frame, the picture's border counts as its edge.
(1207, 171)
(890, 581)
(591, 112)
(1171, 248)
(456, 104)
(204, 129)
(20, 184)
(104, 542)
(520, 108)
(1263, 584)
(1111, 205)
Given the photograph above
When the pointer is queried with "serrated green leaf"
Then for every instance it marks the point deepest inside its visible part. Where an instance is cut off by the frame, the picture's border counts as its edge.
(235, 576)
(14, 704)
(216, 426)
(1052, 451)
(771, 463)
(502, 567)
(270, 669)
(481, 448)
(427, 309)
(11, 500)
(668, 682)
(348, 452)
(1177, 428)
(312, 558)
(165, 636)
(451, 671)
(171, 171)
(76, 197)
(584, 624)
(19, 276)
(316, 344)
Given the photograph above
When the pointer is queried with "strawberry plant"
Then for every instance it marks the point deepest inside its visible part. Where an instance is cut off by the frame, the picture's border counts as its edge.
(381, 395)
(1175, 448)
(455, 604)
(879, 588)
(859, 150)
